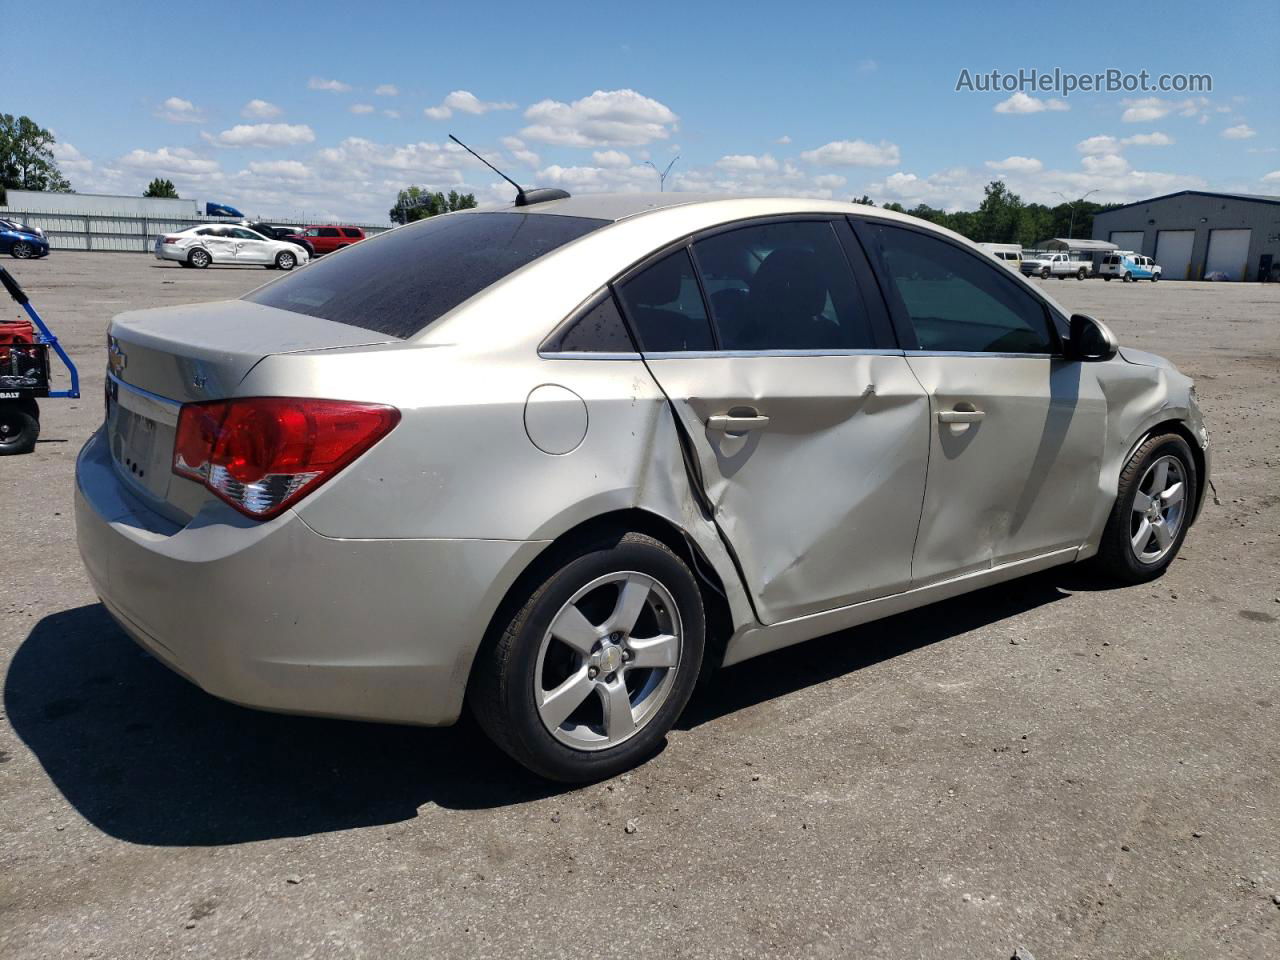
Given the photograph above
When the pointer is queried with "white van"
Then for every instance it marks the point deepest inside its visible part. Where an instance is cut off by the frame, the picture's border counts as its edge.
(1129, 266)
(1010, 254)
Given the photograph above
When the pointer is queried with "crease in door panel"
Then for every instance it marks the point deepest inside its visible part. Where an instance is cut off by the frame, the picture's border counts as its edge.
(929, 426)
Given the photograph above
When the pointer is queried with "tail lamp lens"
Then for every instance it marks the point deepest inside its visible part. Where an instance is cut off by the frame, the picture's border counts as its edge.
(264, 454)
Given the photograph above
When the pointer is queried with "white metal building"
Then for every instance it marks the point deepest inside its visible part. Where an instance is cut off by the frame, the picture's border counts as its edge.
(1196, 234)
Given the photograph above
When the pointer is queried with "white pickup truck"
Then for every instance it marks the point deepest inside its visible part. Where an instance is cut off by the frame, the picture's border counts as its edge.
(1056, 265)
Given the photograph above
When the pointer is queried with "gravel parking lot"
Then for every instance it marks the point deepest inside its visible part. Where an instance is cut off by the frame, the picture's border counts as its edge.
(1053, 764)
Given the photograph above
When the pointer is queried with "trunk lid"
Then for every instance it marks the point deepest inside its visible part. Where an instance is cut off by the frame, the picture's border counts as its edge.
(159, 359)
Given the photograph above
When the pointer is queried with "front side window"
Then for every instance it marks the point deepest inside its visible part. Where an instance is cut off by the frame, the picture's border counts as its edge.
(240, 233)
(329, 232)
(958, 302)
(783, 286)
(402, 281)
(665, 306)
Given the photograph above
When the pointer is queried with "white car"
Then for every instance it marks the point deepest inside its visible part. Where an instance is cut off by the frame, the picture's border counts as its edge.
(227, 243)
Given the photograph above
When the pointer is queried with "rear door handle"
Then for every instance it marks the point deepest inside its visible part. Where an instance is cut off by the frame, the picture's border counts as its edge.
(731, 424)
(960, 416)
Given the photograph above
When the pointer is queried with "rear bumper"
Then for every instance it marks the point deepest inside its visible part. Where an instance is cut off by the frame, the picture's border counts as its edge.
(275, 616)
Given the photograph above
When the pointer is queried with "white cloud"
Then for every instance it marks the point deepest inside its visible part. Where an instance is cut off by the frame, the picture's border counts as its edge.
(361, 108)
(854, 153)
(1146, 109)
(392, 114)
(868, 66)
(1098, 145)
(586, 179)
(830, 181)
(1104, 164)
(333, 86)
(1156, 139)
(171, 160)
(1016, 165)
(604, 119)
(70, 160)
(1241, 131)
(783, 140)
(611, 158)
(263, 135)
(260, 110)
(177, 110)
(1272, 177)
(284, 169)
(747, 161)
(1023, 103)
(464, 101)
(387, 90)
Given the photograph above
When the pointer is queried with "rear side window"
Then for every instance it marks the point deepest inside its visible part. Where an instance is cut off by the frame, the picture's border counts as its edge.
(352, 232)
(783, 286)
(959, 302)
(665, 306)
(597, 328)
(402, 281)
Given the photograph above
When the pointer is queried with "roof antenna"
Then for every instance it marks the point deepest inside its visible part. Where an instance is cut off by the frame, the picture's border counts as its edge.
(523, 197)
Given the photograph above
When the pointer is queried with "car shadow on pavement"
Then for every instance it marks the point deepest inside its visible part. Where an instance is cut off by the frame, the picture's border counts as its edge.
(817, 661)
(149, 758)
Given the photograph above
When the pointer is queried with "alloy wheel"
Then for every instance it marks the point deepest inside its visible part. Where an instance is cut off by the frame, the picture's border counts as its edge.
(1159, 507)
(22, 250)
(608, 661)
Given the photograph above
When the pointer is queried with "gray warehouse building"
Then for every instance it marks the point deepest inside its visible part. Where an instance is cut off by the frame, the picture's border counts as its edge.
(1195, 234)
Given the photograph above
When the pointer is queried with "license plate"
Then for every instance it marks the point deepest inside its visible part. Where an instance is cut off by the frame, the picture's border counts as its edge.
(133, 436)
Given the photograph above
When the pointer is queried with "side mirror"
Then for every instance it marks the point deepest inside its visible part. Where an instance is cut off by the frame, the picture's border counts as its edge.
(1090, 339)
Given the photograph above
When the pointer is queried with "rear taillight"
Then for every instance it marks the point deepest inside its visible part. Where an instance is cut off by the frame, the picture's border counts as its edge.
(172, 240)
(264, 454)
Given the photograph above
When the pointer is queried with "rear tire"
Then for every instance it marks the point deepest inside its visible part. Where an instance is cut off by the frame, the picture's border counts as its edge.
(19, 427)
(1107, 278)
(200, 259)
(586, 677)
(1145, 532)
(1081, 273)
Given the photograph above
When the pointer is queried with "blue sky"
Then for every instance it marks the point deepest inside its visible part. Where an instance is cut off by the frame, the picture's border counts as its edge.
(326, 109)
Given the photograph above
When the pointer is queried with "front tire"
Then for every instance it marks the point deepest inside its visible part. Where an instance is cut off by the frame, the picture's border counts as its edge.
(200, 259)
(22, 250)
(585, 679)
(19, 427)
(1155, 277)
(285, 260)
(1155, 500)
(1045, 273)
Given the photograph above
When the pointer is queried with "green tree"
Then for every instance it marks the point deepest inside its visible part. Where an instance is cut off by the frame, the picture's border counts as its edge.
(996, 219)
(162, 188)
(415, 203)
(865, 200)
(894, 205)
(26, 157)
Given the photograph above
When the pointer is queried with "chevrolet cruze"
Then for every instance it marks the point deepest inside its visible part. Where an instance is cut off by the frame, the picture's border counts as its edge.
(552, 462)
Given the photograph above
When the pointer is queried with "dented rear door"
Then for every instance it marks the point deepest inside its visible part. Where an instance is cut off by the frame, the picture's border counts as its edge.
(820, 504)
(806, 429)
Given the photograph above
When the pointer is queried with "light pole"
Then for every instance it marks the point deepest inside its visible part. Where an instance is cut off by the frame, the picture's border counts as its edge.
(662, 174)
(1071, 226)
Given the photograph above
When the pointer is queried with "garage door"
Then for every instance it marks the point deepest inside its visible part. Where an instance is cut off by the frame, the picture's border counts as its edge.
(1173, 253)
(1228, 253)
(1127, 240)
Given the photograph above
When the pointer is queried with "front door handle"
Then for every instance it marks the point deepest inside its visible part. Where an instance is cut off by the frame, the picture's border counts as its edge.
(960, 416)
(734, 424)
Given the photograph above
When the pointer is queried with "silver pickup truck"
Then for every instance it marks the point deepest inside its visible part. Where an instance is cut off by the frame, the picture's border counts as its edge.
(1056, 265)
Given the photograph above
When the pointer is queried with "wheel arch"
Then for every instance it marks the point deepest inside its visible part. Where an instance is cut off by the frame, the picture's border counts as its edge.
(603, 527)
(1179, 428)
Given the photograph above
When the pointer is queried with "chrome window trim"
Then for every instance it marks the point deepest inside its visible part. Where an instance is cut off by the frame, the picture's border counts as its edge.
(710, 354)
(586, 355)
(983, 353)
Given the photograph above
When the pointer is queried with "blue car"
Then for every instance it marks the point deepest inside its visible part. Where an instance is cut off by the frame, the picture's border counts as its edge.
(21, 241)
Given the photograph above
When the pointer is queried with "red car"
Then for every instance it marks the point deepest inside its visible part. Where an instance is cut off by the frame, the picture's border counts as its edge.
(330, 238)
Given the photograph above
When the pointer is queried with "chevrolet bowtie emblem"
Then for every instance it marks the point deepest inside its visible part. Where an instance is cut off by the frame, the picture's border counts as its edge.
(116, 357)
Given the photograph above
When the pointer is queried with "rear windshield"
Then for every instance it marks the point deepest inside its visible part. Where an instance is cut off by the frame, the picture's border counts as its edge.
(401, 282)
